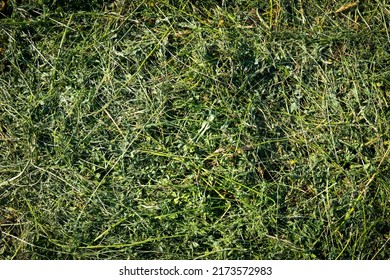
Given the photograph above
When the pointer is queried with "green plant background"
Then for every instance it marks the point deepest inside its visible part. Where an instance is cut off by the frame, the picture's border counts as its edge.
(194, 130)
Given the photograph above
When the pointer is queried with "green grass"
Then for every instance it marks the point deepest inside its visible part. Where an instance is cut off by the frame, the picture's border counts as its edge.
(194, 130)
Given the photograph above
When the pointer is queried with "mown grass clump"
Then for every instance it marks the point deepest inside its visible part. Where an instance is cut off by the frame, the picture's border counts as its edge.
(194, 130)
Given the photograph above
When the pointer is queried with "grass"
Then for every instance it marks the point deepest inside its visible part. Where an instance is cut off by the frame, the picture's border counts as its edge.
(194, 130)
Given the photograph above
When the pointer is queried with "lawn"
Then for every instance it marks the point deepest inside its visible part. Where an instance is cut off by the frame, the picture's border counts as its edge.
(194, 129)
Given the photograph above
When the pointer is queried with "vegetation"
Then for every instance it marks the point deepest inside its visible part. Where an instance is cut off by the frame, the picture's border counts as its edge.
(195, 129)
